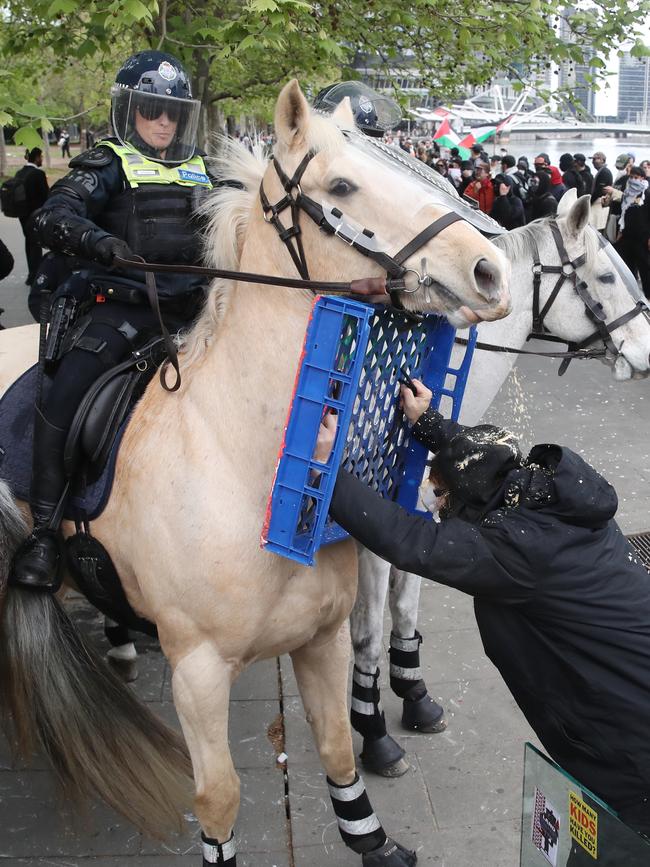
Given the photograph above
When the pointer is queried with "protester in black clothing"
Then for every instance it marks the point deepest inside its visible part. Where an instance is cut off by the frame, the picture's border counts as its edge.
(541, 201)
(467, 175)
(508, 208)
(571, 178)
(36, 191)
(561, 601)
(523, 167)
(603, 177)
(634, 227)
(520, 179)
(584, 171)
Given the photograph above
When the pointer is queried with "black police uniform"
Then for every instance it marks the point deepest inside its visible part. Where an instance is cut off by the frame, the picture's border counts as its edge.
(91, 214)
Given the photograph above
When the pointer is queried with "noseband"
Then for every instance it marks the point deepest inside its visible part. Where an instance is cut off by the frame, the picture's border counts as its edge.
(358, 238)
(568, 272)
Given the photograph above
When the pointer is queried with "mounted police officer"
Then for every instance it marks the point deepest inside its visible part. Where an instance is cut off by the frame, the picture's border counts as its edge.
(133, 194)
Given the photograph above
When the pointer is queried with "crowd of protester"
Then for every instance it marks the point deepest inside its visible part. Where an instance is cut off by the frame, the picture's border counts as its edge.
(513, 192)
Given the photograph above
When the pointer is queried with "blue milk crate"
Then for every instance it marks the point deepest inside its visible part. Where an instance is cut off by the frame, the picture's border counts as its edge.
(353, 358)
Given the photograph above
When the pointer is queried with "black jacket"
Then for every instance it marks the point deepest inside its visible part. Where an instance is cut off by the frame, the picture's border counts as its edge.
(94, 201)
(603, 178)
(36, 188)
(562, 605)
(508, 210)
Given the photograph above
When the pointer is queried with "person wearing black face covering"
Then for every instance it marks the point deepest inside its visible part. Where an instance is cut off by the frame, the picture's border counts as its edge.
(561, 602)
(541, 201)
(508, 208)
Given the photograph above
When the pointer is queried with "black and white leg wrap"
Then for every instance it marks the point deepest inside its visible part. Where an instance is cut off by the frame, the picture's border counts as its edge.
(214, 852)
(405, 672)
(360, 828)
(420, 711)
(366, 714)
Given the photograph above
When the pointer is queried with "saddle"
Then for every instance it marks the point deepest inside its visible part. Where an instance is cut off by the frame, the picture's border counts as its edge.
(95, 433)
(89, 459)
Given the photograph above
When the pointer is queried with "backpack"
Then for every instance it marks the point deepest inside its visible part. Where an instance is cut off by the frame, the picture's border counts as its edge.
(13, 195)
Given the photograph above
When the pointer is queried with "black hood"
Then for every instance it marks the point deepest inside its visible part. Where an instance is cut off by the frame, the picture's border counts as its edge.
(474, 465)
(581, 496)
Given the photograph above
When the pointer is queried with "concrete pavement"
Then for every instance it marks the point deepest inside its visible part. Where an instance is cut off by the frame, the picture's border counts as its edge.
(459, 805)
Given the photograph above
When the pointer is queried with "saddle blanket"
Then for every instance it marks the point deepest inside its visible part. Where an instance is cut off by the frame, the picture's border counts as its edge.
(16, 436)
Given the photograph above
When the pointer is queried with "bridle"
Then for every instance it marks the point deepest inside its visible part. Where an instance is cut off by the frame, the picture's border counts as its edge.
(361, 239)
(568, 273)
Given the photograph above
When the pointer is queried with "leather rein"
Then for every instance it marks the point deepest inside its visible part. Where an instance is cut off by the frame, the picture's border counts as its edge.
(567, 273)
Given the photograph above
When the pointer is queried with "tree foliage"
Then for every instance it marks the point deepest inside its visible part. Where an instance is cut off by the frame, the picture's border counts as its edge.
(62, 54)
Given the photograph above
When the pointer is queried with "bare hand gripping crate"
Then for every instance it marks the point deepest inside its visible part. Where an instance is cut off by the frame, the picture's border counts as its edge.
(353, 358)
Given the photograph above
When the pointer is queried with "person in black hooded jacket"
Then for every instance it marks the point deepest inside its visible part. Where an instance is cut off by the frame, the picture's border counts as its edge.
(561, 601)
(541, 202)
(508, 208)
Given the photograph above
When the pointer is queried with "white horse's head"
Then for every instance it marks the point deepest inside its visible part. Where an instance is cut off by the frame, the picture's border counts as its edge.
(468, 276)
(608, 282)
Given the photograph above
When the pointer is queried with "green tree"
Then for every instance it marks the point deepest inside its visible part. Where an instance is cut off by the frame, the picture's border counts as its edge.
(240, 51)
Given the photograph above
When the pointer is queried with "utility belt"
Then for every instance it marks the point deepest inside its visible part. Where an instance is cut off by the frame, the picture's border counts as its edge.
(186, 305)
(70, 316)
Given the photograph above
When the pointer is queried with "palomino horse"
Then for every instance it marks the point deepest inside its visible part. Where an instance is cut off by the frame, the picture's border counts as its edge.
(569, 318)
(188, 503)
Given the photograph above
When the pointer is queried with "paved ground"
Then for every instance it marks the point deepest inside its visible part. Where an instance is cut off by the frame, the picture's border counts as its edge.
(459, 805)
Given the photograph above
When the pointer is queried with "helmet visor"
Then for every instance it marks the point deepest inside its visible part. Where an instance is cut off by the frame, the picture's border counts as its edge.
(417, 172)
(371, 109)
(161, 128)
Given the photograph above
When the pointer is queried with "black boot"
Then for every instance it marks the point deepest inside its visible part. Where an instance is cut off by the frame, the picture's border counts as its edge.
(38, 560)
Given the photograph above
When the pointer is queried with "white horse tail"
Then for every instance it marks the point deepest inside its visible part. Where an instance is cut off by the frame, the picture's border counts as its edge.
(63, 699)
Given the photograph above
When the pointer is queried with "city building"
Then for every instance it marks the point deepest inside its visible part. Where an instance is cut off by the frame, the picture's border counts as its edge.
(634, 89)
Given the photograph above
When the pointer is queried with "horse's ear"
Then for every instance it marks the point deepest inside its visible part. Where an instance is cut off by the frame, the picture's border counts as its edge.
(343, 116)
(567, 201)
(578, 217)
(291, 114)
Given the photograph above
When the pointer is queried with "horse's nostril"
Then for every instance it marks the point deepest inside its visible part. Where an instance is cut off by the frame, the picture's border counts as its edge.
(488, 278)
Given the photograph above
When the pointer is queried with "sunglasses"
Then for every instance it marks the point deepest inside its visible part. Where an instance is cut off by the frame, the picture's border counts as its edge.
(153, 109)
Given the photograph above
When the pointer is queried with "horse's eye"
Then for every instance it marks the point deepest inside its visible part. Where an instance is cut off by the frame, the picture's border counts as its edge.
(341, 188)
(607, 278)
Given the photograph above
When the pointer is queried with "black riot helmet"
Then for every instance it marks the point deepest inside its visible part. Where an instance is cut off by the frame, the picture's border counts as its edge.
(152, 110)
(373, 112)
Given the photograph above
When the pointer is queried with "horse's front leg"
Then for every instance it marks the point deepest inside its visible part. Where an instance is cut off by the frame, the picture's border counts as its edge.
(420, 712)
(381, 753)
(201, 686)
(321, 672)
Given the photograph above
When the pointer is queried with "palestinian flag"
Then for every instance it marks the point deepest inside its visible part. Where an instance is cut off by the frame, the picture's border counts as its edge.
(478, 135)
(446, 137)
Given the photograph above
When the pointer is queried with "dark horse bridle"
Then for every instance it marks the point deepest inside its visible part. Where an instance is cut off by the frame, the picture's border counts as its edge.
(567, 272)
(358, 238)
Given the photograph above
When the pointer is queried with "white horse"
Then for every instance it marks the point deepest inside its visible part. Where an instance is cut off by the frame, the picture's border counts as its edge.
(566, 318)
(184, 518)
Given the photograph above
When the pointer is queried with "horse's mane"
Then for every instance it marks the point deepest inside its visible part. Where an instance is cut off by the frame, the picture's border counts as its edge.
(226, 212)
(520, 243)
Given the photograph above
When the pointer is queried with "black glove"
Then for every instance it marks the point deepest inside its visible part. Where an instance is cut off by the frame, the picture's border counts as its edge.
(106, 249)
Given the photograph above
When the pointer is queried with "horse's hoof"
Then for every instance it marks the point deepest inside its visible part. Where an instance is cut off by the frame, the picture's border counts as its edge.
(125, 669)
(384, 756)
(424, 715)
(391, 854)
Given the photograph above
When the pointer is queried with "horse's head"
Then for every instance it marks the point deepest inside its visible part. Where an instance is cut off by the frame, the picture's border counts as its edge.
(600, 297)
(456, 272)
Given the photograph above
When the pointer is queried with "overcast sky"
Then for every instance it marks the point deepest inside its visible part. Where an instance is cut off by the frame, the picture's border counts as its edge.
(607, 97)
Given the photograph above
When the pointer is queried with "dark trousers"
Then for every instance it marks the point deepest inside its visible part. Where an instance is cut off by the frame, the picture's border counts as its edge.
(110, 336)
(33, 250)
(634, 252)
